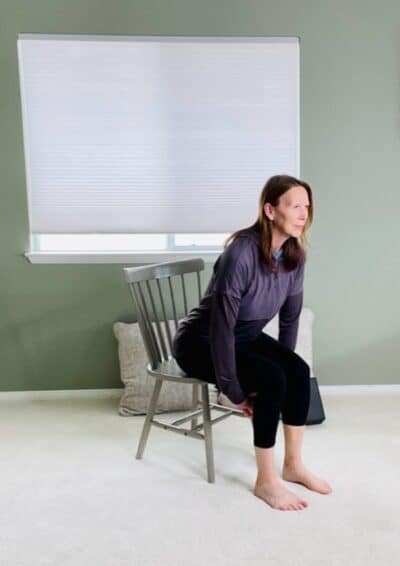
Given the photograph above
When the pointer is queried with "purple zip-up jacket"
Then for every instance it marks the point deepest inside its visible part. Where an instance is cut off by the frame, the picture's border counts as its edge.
(241, 297)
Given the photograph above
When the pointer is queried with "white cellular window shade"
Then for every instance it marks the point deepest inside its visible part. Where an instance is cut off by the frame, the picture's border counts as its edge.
(152, 134)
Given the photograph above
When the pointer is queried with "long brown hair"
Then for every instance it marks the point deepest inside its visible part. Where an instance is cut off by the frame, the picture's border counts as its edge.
(294, 249)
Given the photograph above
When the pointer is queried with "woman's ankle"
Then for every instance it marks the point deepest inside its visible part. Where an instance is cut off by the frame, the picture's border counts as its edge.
(292, 463)
(266, 480)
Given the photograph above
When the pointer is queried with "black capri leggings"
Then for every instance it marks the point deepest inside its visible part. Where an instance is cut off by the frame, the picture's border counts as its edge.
(279, 377)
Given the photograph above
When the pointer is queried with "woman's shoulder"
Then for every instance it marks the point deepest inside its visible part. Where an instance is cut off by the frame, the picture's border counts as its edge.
(247, 238)
(242, 248)
(239, 254)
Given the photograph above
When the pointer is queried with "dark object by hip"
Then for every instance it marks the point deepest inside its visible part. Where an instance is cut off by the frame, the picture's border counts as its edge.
(316, 414)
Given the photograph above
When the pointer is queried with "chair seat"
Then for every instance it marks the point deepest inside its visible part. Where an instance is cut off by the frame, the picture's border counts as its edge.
(170, 371)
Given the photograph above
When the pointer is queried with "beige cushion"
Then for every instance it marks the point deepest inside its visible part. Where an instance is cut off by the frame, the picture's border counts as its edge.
(138, 385)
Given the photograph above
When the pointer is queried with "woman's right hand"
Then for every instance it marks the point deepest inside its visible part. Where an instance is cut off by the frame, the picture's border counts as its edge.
(246, 408)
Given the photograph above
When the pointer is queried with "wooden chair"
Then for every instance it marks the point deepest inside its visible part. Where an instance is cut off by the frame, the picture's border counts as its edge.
(146, 283)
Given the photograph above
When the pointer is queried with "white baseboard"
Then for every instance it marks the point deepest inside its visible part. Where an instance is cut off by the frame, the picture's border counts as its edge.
(347, 390)
(61, 394)
(325, 390)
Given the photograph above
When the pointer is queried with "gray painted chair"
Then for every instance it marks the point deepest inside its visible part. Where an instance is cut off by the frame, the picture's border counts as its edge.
(146, 285)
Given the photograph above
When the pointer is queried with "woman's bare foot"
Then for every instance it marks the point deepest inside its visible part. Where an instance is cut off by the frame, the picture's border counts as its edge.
(278, 497)
(300, 474)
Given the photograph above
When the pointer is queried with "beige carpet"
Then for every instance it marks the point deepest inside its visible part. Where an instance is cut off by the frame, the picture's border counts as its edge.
(72, 493)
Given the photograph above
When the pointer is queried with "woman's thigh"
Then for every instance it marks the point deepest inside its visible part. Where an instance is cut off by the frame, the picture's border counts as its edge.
(274, 377)
(255, 370)
(195, 359)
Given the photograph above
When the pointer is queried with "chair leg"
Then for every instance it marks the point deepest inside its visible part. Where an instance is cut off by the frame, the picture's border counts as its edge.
(147, 423)
(208, 433)
(195, 400)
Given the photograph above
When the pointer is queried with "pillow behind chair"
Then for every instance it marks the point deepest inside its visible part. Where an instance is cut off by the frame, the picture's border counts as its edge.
(138, 385)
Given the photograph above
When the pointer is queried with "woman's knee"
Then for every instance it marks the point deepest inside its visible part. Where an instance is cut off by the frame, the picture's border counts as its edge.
(298, 367)
(298, 378)
(272, 384)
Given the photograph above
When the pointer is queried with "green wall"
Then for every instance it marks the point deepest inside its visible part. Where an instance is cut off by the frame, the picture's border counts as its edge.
(56, 320)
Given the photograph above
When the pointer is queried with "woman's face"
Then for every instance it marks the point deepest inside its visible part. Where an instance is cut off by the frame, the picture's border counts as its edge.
(291, 214)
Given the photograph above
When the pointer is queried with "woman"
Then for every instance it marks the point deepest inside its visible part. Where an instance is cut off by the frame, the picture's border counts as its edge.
(259, 274)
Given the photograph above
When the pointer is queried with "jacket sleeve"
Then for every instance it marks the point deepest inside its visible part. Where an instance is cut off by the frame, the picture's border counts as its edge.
(289, 314)
(231, 280)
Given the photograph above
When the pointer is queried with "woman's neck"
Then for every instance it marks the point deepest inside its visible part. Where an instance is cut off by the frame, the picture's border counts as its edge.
(278, 239)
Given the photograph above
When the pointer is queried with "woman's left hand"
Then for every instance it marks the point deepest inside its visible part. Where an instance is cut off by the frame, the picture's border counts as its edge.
(246, 408)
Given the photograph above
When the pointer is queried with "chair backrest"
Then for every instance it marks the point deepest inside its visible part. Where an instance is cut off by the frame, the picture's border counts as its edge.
(158, 344)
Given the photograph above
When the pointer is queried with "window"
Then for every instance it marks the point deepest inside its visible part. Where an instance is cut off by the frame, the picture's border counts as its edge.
(152, 145)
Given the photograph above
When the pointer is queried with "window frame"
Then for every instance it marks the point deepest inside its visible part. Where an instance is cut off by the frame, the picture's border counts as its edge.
(172, 252)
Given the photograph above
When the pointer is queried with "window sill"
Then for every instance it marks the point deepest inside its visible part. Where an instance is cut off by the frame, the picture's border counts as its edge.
(120, 257)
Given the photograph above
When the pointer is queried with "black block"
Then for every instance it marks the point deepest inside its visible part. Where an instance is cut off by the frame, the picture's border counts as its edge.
(316, 414)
